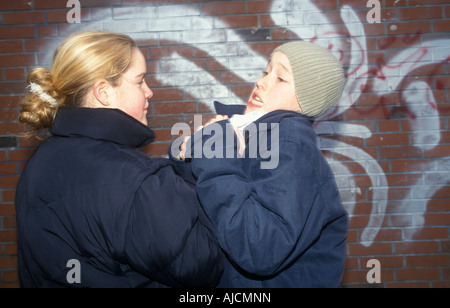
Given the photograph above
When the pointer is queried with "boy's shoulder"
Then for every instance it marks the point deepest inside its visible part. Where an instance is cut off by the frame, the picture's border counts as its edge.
(292, 126)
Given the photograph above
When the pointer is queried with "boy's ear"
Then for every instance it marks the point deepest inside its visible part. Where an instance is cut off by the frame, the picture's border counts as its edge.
(102, 92)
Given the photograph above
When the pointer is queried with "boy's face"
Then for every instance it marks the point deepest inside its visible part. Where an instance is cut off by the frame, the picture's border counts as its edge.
(275, 90)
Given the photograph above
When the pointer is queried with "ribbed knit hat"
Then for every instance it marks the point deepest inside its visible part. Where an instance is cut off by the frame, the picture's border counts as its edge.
(318, 77)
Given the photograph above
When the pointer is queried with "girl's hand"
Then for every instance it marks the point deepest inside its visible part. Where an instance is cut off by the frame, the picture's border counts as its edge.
(217, 118)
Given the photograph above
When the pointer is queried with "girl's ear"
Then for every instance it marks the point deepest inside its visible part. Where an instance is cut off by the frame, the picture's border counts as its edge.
(102, 92)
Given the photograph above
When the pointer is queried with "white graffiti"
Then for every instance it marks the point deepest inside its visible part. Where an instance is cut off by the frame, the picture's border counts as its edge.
(186, 24)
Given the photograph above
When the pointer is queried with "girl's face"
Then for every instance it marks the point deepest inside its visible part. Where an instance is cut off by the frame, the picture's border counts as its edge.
(276, 89)
(133, 92)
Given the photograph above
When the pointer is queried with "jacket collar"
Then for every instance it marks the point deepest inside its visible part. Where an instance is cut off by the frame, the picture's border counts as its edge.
(102, 124)
(274, 116)
(277, 115)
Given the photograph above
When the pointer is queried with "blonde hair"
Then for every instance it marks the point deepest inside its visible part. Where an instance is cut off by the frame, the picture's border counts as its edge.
(78, 63)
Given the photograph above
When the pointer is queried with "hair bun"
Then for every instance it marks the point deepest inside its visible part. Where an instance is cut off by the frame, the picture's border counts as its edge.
(42, 101)
(41, 84)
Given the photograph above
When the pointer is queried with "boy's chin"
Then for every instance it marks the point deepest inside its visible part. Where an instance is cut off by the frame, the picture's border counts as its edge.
(251, 108)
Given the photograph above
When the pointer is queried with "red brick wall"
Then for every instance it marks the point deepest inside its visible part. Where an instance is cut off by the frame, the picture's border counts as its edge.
(388, 142)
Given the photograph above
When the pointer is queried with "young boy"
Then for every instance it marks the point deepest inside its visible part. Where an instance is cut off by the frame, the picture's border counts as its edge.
(283, 226)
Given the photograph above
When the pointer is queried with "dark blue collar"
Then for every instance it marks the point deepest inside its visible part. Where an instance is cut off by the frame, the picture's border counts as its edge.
(273, 116)
(102, 124)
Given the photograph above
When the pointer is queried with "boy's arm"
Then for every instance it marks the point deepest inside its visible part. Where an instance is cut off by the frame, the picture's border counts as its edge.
(265, 218)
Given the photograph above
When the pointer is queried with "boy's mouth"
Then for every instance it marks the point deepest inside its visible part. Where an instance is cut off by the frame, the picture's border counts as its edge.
(255, 101)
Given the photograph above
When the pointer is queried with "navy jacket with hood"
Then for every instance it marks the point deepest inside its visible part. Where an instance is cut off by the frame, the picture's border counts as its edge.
(88, 196)
(279, 227)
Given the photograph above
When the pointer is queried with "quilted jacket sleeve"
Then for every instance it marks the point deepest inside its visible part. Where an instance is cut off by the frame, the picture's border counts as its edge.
(170, 239)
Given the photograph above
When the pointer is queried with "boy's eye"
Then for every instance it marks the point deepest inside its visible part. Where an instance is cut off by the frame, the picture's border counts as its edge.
(265, 73)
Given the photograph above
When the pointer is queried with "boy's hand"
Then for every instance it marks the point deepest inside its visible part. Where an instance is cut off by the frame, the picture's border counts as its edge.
(217, 118)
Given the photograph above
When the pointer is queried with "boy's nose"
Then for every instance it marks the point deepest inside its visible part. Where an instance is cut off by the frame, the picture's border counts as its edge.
(261, 83)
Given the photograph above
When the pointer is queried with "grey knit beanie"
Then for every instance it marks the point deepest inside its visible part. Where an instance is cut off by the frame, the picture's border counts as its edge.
(318, 77)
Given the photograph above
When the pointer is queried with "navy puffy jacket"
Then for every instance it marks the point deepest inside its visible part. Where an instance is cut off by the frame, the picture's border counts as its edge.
(130, 221)
(279, 227)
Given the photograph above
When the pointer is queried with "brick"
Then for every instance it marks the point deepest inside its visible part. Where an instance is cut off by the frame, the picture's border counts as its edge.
(11, 46)
(408, 27)
(426, 233)
(175, 108)
(259, 6)
(179, 10)
(7, 209)
(8, 182)
(388, 125)
(378, 112)
(418, 274)
(20, 154)
(16, 32)
(49, 4)
(408, 284)
(411, 165)
(355, 276)
(418, 13)
(440, 219)
(15, 74)
(143, 1)
(407, 179)
(8, 168)
(372, 250)
(10, 222)
(417, 247)
(23, 18)
(243, 21)
(243, 91)
(164, 135)
(95, 3)
(204, 36)
(11, 276)
(428, 2)
(162, 52)
(8, 262)
(8, 196)
(134, 12)
(8, 236)
(388, 139)
(438, 205)
(167, 95)
(385, 261)
(164, 121)
(399, 152)
(224, 8)
(438, 151)
(15, 5)
(17, 60)
(47, 30)
(428, 261)
(249, 35)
